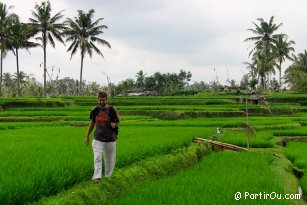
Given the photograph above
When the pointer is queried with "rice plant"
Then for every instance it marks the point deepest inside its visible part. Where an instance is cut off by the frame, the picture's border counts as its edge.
(45, 160)
(297, 153)
(215, 180)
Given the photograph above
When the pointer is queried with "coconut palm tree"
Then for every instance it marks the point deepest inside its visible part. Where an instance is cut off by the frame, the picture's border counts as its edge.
(49, 28)
(82, 31)
(265, 34)
(264, 44)
(265, 63)
(296, 74)
(301, 61)
(22, 78)
(252, 67)
(7, 80)
(21, 33)
(7, 19)
(283, 50)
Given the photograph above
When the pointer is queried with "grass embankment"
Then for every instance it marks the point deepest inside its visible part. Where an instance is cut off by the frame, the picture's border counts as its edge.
(126, 178)
(299, 131)
(216, 180)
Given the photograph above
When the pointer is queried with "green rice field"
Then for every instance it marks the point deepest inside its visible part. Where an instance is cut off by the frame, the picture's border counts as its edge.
(44, 158)
(297, 152)
(223, 174)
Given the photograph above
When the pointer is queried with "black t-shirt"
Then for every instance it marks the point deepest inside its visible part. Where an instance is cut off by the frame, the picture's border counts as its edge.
(103, 118)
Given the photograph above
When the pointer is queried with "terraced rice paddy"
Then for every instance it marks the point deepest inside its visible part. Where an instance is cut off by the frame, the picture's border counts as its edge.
(215, 180)
(43, 152)
(297, 152)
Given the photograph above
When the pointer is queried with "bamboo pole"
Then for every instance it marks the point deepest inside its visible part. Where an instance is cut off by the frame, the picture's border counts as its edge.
(221, 144)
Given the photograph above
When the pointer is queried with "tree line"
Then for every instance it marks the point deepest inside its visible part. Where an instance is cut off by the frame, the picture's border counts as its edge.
(157, 84)
(81, 32)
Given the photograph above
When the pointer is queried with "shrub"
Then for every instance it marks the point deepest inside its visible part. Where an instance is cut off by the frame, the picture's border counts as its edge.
(303, 103)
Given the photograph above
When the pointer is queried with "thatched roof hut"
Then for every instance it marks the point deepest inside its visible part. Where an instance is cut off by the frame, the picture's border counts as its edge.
(256, 98)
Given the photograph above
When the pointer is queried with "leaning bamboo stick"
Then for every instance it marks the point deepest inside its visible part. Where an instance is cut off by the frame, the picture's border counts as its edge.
(221, 144)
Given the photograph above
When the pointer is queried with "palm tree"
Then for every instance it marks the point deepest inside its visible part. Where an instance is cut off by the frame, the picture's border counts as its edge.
(7, 80)
(21, 33)
(140, 79)
(265, 62)
(265, 42)
(283, 49)
(83, 32)
(301, 61)
(43, 23)
(6, 21)
(264, 34)
(296, 74)
(252, 67)
(22, 78)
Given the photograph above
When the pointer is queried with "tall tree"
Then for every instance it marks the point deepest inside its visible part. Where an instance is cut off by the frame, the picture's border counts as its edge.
(265, 63)
(49, 28)
(7, 19)
(20, 77)
(264, 43)
(83, 32)
(21, 33)
(283, 50)
(265, 34)
(252, 67)
(140, 79)
(8, 80)
(296, 74)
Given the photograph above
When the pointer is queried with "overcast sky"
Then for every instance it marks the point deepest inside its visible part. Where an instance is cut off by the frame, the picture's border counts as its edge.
(165, 36)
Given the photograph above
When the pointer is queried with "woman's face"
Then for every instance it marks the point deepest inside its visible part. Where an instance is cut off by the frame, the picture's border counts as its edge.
(102, 102)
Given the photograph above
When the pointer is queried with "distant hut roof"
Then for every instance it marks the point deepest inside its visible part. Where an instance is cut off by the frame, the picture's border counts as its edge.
(254, 97)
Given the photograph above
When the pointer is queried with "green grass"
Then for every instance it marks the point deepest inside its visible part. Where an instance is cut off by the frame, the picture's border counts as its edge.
(304, 183)
(214, 181)
(46, 160)
(41, 155)
(297, 153)
(239, 137)
(125, 178)
(300, 131)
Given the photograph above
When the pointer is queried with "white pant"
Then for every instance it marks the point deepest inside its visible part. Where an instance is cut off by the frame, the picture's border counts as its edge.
(109, 150)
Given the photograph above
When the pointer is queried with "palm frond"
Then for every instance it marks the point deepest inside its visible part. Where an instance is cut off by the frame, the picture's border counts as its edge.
(50, 39)
(96, 49)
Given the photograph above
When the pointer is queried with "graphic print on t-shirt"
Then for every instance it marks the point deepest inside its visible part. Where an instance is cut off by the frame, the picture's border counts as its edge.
(102, 119)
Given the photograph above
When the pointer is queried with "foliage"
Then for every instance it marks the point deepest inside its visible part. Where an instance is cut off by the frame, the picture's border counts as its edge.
(283, 50)
(274, 85)
(158, 83)
(296, 74)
